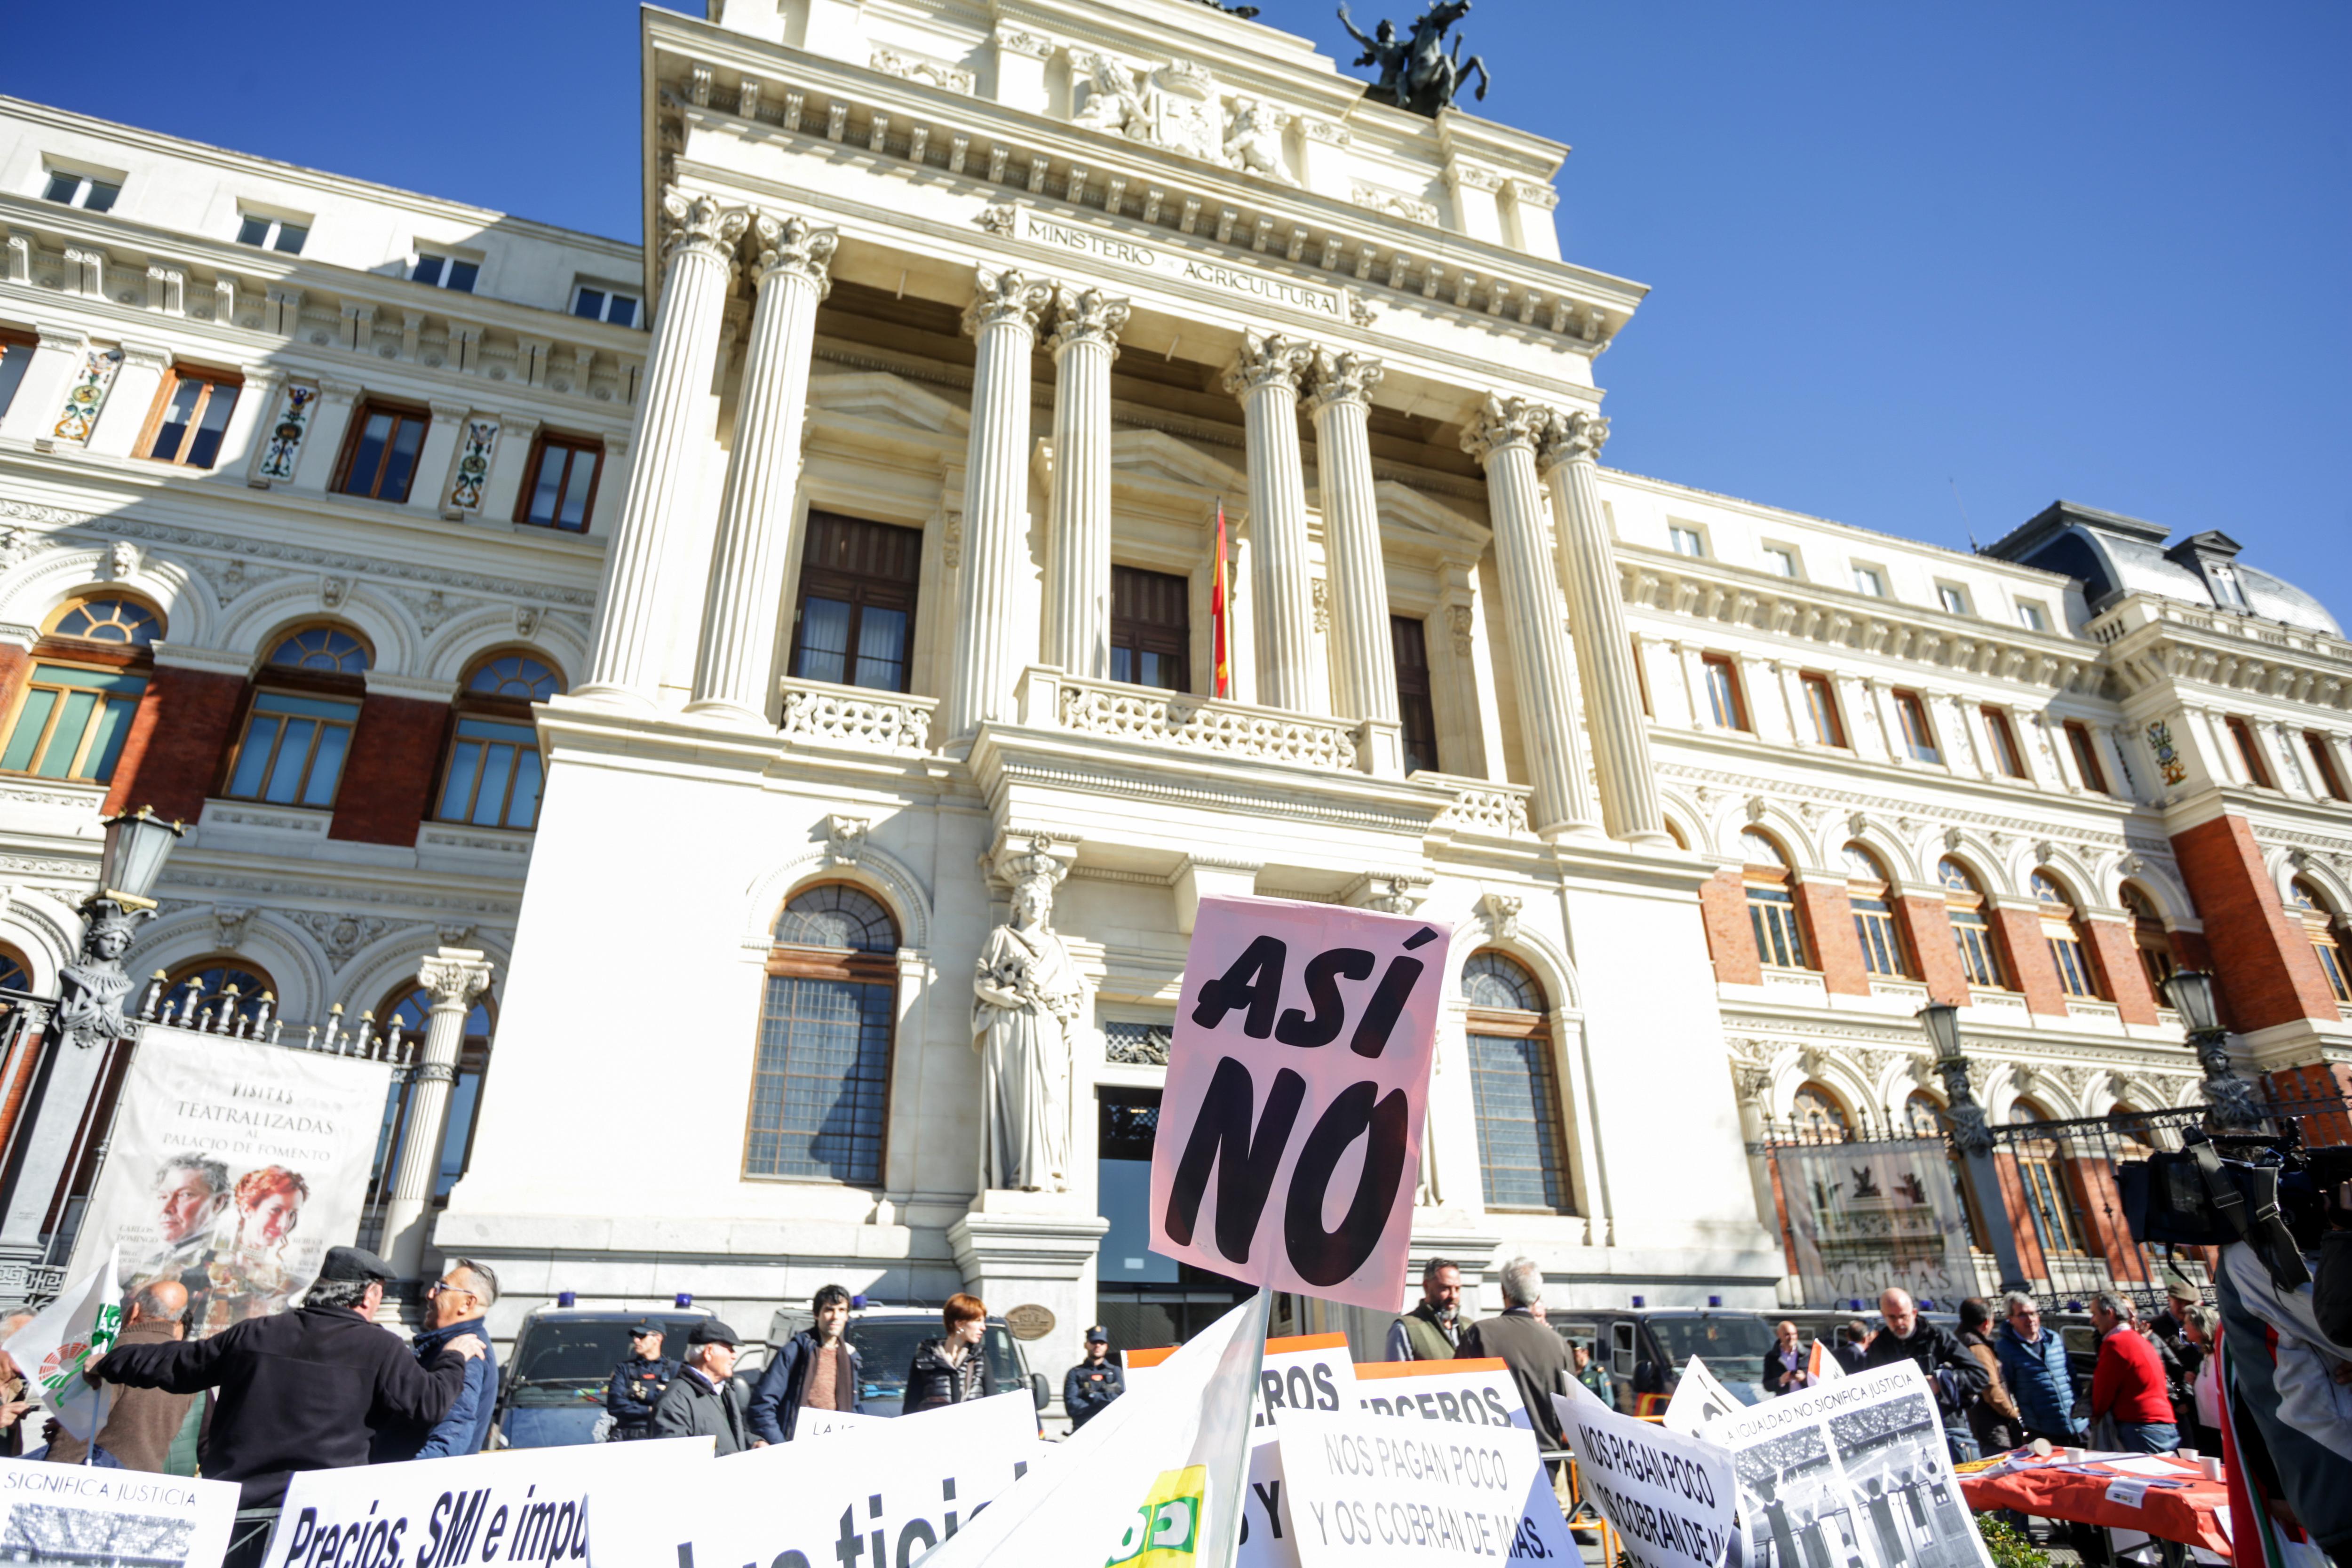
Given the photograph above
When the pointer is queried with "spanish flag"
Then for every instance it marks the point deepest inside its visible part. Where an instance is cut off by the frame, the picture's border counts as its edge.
(1220, 610)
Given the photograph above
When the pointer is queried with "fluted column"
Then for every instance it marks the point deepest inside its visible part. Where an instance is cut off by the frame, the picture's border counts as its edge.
(1077, 560)
(1502, 438)
(736, 666)
(1363, 656)
(1003, 319)
(453, 977)
(1265, 379)
(1571, 461)
(684, 356)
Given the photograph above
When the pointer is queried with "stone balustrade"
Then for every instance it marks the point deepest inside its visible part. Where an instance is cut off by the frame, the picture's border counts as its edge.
(819, 713)
(1185, 723)
(1482, 806)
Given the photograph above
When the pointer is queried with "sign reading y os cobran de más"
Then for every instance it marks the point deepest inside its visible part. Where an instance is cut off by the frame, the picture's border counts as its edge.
(1290, 1127)
(1137, 255)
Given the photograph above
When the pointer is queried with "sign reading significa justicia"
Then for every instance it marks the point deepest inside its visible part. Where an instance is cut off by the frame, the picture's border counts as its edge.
(1118, 250)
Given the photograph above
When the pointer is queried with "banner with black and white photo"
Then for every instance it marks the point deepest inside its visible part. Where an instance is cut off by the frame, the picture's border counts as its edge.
(233, 1166)
(1864, 1216)
(84, 1513)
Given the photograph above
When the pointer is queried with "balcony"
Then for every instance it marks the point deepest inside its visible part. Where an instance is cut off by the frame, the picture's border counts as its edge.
(819, 715)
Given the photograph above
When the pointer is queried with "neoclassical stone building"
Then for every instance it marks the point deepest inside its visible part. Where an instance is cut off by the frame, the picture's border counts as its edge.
(972, 331)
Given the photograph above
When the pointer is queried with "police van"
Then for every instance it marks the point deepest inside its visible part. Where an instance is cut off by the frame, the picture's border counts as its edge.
(552, 1385)
(1644, 1350)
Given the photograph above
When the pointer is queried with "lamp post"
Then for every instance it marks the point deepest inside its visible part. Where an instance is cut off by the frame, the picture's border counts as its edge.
(1972, 1137)
(2232, 1097)
(89, 1019)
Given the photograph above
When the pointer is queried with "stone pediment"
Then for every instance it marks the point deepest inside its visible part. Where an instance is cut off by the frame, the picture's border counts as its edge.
(1408, 517)
(887, 399)
(1154, 458)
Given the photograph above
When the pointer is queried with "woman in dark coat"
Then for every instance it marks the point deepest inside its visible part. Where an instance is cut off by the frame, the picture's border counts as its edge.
(952, 1368)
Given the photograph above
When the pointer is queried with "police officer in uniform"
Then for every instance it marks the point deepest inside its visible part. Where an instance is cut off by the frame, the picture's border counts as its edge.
(1088, 1387)
(639, 1382)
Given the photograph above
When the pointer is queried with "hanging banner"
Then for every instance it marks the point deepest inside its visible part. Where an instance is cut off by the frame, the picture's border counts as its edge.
(1297, 1076)
(233, 1166)
(1866, 1216)
(83, 1514)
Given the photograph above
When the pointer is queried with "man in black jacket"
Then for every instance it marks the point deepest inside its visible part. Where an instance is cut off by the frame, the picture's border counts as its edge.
(1957, 1378)
(1532, 1350)
(639, 1383)
(702, 1399)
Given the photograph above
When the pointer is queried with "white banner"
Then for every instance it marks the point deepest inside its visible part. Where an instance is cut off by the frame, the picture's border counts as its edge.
(1864, 1216)
(233, 1166)
(1671, 1497)
(1467, 1393)
(1367, 1492)
(1304, 1371)
(516, 1507)
(80, 1513)
(1699, 1398)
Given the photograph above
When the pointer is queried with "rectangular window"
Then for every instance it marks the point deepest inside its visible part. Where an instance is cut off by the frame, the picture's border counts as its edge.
(2226, 589)
(606, 305)
(1869, 580)
(1519, 1118)
(1822, 709)
(272, 233)
(444, 272)
(1781, 561)
(2053, 1215)
(2033, 617)
(2073, 964)
(494, 775)
(1882, 943)
(1687, 541)
(1917, 738)
(1150, 628)
(16, 353)
(382, 460)
(2324, 760)
(820, 1083)
(1724, 701)
(1773, 916)
(1954, 599)
(854, 623)
(292, 750)
(1415, 705)
(2249, 751)
(2006, 757)
(72, 724)
(1979, 961)
(191, 416)
(562, 489)
(2086, 756)
(81, 191)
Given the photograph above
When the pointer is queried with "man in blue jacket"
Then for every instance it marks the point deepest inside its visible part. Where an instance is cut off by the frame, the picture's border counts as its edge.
(817, 1368)
(455, 1305)
(2033, 1362)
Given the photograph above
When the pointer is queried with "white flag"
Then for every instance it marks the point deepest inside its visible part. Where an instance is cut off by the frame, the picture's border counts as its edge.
(1153, 1481)
(50, 1350)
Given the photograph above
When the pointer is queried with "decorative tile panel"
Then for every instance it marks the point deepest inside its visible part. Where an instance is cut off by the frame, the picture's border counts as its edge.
(480, 440)
(285, 441)
(87, 396)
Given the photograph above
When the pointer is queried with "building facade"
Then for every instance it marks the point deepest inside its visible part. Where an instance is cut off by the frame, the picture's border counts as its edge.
(715, 635)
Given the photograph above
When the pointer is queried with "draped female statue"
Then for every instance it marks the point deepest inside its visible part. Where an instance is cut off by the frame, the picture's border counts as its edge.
(1029, 999)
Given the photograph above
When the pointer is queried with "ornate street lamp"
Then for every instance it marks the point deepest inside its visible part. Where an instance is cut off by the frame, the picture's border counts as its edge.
(2191, 992)
(1972, 1140)
(137, 844)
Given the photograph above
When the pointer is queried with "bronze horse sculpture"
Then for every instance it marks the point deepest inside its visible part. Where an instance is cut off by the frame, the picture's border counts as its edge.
(1416, 72)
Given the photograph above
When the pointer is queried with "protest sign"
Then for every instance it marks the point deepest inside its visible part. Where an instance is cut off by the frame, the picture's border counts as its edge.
(234, 1165)
(83, 1513)
(1670, 1496)
(51, 1349)
(1468, 1392)
(1854, 1472)
(513, 1508)
(1699, 1398)
(1297, 1078)
(1367, 1491)
(811, 1423)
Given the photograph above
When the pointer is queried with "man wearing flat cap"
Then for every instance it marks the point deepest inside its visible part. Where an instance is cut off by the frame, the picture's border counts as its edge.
(639, 1382)
(702, 1399)
(304, 1390)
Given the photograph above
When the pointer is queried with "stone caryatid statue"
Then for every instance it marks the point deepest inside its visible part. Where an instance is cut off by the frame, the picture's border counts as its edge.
(1416, 72)
(93, 989)
(1029, 1001)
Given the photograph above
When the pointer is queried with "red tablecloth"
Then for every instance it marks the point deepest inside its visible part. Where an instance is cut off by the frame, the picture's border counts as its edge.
(2054, 1489)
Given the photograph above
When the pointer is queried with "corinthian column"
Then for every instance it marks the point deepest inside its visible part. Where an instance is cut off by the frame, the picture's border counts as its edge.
(1003, 319)
(641, 567)
(1569, 459)
(1503, 438)
(1077, 567)
(1363, 656)
(1265, 379)
(736, 662)
(453, 977)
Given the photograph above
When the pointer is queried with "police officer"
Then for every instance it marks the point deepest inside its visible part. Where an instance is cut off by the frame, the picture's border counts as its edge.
(1088, 1387)
(639, 1382)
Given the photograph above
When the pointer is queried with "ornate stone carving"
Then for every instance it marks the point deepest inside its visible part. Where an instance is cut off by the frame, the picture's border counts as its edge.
(1461, 621)
(868, 720)
(909, 67)
(1501, 913)
(1114, 103)
(844, 836)
(1268, 359)
(1138, 1045)
(1497, 809)
(1016, 41)
(1008, 296)
(1503, 422)
(1254, 139)
(788, 244)
(1028, 998)
(1344, 376)
(1392, 892)
(15, 545)
(228, 925)
(1192, 724)
(454, 976)
(1394, 203)
(121, 560)
(341, 935)
(1000, 218)
(694, 220)
(1319, 589)
(92, 989)
(1088, 316)
(1573, 436)
(333, 591)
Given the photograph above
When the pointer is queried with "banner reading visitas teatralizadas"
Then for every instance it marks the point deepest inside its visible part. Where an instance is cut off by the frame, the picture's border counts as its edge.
(233, 1166)
(1864, 1216)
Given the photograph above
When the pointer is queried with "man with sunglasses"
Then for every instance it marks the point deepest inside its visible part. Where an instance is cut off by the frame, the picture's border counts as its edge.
(455, 1305)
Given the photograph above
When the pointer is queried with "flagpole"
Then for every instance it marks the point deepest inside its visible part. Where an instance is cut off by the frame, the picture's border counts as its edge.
(1225, 1518)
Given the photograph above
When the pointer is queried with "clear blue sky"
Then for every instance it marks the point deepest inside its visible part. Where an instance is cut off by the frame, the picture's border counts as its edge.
(2016, 251)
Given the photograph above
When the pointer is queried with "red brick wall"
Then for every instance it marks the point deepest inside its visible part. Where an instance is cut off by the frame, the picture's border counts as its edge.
(171, 758)
(2260, 955)
(2117, 957)
(2316, 1080)
(1928, 928)
(2020, 1217)
(13, 663)
(1830, 939)
(388, 778)
(1730, 940)
(2031, 968)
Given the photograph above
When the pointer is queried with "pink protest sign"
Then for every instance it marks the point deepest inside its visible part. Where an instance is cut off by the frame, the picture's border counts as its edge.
(1289, 1134)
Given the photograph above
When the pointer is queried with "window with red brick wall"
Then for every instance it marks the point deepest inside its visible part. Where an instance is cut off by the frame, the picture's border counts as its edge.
(173, 755)
(388, 779)
(2258, 952)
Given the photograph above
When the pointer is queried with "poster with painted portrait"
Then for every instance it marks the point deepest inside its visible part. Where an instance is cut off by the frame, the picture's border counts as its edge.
(233, 1166)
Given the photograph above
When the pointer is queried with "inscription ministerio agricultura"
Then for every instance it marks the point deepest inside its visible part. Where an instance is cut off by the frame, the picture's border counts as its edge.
(1165, 261)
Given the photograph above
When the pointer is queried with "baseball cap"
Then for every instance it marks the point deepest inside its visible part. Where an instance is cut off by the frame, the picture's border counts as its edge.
(1096, 1337)
(646, 1326)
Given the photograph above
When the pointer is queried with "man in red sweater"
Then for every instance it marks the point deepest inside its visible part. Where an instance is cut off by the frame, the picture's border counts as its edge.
(2128, 1381)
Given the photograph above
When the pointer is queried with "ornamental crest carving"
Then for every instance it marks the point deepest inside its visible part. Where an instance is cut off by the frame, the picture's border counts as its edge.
(1179, 106)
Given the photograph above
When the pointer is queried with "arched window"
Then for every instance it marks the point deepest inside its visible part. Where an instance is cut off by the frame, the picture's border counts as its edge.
(90, 670)
(1771, 908)
(2048, 1196)
(1508, 1033)
(1923, 1114)
(15, 974)
(2061, 928)
(1870, 891)
(1819, 1114)
(2319, 930)
(1964, 901)
(410, 1006)
(297, 729)
(819, 1080)
(206, 983)
(2149, 935)
(494, 775)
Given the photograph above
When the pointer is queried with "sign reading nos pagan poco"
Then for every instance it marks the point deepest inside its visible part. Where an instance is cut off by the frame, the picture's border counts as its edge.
(1290, 1129)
